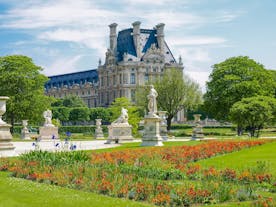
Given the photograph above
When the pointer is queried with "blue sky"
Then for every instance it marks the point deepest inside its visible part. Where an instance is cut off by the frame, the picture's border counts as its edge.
(66, 36)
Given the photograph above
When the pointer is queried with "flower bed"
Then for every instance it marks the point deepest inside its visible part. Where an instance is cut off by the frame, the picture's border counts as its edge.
(166, 176)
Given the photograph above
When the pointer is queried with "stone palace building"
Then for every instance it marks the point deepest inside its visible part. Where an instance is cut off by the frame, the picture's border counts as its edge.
(135, 56)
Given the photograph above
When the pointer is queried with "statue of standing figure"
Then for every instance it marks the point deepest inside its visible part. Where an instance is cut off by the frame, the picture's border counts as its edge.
(152, 105)
(48, 118)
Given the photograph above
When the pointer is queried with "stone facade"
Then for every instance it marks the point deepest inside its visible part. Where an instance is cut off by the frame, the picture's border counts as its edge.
(135, 57)
(83, 84)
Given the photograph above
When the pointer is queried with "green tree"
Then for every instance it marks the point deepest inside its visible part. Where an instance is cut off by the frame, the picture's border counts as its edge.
(22, 81)
(69, 101)
(133, 112)
(234, 79)
(79, 114)
(61, 113)
(273, 72)
(254, 113)
(100, 113)
(175, 92)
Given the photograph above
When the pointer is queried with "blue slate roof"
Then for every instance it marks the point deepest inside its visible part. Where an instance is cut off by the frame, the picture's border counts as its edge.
(72, 78)
(125, 42)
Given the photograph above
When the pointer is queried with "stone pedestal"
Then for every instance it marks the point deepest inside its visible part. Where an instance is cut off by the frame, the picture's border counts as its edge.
(119, 133)
(163, 125)
(25, 134)
(151, 136)
(197, 130)
(99, 131)
(47, 132)
(6, 147)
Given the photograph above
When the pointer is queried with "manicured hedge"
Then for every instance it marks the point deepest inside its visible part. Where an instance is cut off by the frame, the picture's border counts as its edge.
(186, 126)
(72, 129)
(80, 129)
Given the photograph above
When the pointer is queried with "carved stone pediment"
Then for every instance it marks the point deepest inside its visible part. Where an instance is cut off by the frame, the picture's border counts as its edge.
(64, 88)
(87, 85)
(153, 54)
(76, 86)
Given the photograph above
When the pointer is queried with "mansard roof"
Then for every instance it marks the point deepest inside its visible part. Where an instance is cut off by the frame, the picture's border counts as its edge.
(125, 43)
(73, 78)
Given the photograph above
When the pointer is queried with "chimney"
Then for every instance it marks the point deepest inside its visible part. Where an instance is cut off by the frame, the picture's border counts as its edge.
(113, 37)
(160, 36)
(136, 37)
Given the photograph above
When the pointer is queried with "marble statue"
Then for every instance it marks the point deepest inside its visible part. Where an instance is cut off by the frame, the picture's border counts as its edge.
(48, 118)
(48, 131)
(120, 130)
(152, 105)
(123, 118)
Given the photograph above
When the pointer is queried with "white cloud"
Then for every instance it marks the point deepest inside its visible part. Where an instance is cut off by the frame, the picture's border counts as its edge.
(62, 65)
(58, 13)
(147, 2)
(194, 55)
(200, 77)
(195, 40)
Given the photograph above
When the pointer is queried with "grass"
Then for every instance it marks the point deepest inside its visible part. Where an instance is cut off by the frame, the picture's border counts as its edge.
(134, 145)
(23, 193)
(245, 158)
(221, 132)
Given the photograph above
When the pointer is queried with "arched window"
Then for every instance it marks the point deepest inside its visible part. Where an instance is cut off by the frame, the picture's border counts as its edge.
(132, 78)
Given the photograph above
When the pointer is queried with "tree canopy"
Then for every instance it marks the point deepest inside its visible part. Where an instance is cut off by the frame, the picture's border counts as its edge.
(22, 81)
(69, 101)
(253, 113)
(234, 79)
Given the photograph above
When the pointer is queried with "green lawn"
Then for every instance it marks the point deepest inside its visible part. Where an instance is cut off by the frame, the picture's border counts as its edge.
(245, 158)
(16, 192)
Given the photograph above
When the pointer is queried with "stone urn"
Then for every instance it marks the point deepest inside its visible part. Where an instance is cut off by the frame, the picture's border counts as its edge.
(197, 118)
(6, 147)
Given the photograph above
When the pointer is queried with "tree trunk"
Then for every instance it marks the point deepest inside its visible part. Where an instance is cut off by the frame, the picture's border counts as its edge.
(12, 123)
(252, 132)
(239, 130)
(169, 122)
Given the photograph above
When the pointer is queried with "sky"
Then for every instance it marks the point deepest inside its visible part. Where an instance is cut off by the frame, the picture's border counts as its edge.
(64, 36)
